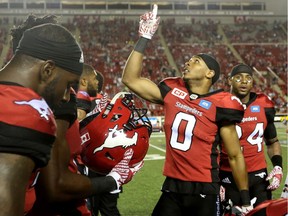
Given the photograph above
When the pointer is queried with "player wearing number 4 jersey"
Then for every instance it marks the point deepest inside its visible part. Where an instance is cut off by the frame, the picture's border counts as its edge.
(195, 121)
(256, 127)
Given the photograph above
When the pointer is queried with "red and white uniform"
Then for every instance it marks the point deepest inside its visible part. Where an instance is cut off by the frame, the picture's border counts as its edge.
(25, 116)
(192, 130)
(83, 101)
(252, 130)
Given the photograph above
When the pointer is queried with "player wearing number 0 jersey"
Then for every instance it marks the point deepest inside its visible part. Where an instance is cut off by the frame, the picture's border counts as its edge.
(256, 128)
(195, 119)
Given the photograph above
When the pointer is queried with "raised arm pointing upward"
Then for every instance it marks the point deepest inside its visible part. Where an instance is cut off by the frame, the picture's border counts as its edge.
(195, 121)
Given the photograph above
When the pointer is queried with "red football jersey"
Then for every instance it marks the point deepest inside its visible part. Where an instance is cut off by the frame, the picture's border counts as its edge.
(259, 113)
(83, 101)
(25, 115)
(191, 126)
(22, 107)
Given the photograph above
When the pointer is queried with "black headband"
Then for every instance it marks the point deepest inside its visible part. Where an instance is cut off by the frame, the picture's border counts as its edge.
(212, 64)
(67, 55)
(241, 68)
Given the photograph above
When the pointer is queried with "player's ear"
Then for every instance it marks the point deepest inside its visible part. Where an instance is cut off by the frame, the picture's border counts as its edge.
(83, 81)
(47, 70)
(210, 74)
(229, 81)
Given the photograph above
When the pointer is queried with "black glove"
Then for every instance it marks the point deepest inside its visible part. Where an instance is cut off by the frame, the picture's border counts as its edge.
(67, 110)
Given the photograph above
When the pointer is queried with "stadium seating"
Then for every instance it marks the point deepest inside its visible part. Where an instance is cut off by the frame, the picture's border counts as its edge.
(108, 42)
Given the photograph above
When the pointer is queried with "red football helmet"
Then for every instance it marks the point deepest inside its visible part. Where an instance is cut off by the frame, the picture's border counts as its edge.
(107, 135)
(276, 207)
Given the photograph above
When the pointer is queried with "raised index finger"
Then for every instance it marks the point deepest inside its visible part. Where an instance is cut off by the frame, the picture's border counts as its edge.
(154, 11)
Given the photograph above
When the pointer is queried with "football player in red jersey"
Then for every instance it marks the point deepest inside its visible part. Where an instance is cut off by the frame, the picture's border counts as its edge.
(256, 128)
(195, 121)
(90, 97)
(37, 77)
(89, 101)
(87, 89)
(99, 102)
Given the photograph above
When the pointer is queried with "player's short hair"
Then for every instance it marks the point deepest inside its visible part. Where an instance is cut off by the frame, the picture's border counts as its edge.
(31, 21)
(87, 70)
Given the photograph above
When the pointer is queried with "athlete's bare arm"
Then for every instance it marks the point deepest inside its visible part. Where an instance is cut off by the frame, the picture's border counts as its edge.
(15, 173)
(143, 87)
(56, 181)
(274, 148)
(236, 159)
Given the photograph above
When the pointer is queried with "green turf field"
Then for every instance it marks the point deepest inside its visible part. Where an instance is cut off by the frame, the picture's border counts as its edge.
(141, 194)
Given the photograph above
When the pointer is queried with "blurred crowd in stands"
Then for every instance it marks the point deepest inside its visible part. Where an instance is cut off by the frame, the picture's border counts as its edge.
(106, 44)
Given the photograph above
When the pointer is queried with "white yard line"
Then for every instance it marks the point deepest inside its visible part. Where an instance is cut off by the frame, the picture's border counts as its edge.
(156, 147)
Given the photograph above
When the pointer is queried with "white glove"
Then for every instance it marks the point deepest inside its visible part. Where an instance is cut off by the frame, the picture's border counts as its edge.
(122, 173)
(222, 193)
(276, 175)
(149, 23)
(100, 104)
(244, 210)
(103, 102)
(137, 167)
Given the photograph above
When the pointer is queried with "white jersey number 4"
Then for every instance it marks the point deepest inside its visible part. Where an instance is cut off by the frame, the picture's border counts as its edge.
(255, 138)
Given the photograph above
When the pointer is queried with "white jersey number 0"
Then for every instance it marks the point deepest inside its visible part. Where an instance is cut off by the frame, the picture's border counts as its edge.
(188, 133)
